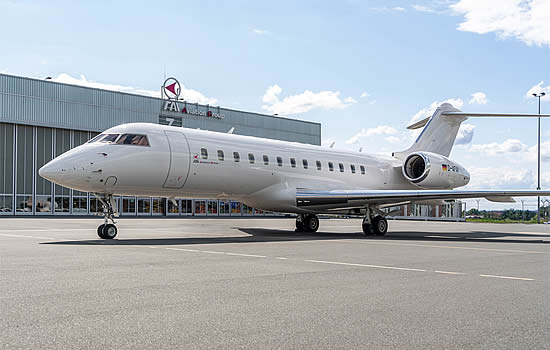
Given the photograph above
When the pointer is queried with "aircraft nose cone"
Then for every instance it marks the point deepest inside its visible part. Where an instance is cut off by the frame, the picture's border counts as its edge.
(51, 171)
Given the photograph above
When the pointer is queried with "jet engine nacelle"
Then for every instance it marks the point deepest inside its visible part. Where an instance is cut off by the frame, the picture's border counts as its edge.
(433, 171)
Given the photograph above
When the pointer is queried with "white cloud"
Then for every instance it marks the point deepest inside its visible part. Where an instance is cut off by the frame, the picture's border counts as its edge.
(392, 139)
(388, 9)
(303, 102)
(260, 31)
(189, 94)
(537, 89)
(465, 134)
(526, 20)
(422, 8)
(478, 98)
(364, 94)
(501, 178)
(398, 8)
(508, 146)
(532, 152)
(428, 111)
(379, 130)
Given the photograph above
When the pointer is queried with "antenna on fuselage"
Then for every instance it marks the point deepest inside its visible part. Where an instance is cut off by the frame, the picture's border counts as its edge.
(332, 144)
(360, 149)
(230, 131)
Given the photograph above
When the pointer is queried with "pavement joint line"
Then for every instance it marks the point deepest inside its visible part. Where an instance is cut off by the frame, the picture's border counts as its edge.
(25, 236)
(280, 258)
(249, 255)
(445, 247)
(449, 272)
(365, 265)
(508, 277)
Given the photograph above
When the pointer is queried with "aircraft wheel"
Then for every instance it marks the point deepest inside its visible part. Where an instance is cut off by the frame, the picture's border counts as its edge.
(311, 223)
(109, 231)
(100, 231)
(367, 229)
(300, 227)
(379, 225)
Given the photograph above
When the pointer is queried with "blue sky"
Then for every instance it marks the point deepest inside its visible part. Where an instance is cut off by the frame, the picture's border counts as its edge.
(364, 69)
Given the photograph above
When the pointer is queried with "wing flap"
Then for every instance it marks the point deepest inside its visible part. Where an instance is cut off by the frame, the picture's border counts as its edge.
(326, 200)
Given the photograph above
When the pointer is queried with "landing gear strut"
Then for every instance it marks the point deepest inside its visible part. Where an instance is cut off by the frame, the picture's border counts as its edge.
(107, 230)
(307, 223)
(374, 224)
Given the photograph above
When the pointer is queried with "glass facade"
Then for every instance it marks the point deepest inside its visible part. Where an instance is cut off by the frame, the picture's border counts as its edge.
(25, 149)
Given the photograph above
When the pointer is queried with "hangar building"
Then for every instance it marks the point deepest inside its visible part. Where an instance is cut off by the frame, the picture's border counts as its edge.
(40, 119)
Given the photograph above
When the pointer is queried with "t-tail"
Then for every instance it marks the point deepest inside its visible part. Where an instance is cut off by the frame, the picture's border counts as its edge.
(439, 133)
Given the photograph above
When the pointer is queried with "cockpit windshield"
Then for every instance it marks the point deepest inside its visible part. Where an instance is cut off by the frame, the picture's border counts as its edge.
(133, 139)
(104, 138)
(124, 139)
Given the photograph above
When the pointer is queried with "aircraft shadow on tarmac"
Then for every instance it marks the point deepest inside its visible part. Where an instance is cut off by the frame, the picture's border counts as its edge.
(278, 235)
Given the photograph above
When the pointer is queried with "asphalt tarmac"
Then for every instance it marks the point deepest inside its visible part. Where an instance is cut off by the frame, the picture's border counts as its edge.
(255, 283)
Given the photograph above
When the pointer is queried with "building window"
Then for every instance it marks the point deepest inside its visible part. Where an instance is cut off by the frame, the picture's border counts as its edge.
(341, 167)
(279, 161)
(352, 168)
(362, 169)
(330, 166)
(251, 158)
(266, 159)
(304, 162)
(236, 157)
(220, 155)
(318, 163)
(293, 162)
(204, 153)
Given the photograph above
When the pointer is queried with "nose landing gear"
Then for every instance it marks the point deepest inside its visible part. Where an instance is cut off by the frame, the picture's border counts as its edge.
(107, 230)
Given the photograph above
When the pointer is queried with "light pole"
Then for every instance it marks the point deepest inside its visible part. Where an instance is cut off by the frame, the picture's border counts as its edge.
(538, 160)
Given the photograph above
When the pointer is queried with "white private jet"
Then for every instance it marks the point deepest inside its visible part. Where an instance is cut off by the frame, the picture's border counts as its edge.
(142, 159)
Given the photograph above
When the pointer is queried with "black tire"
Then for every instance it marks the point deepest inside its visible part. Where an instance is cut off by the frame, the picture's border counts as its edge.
(100, 231)
(109, 231)
(300, 227)
(379, 226)
(311, 223)
(367, 230)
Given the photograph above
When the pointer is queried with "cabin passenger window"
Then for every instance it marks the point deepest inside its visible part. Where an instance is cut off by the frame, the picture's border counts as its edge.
(204, 153)
(266, 159)
(220, 155)
(251, 158)
(352, 168)
(279, 161)
(293, 162)
(304, 161)
(341, 167)
(132, 139)
(236, 157)
(318, 165)
(330, 166)
(362, 169)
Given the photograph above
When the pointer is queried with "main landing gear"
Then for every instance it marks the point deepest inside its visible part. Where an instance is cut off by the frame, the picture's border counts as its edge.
(374, 224)
(107, 230)
(307, 223)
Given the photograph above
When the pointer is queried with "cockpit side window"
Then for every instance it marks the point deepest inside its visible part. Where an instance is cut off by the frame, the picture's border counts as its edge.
(132, 139)
(108, 138)
(95, 138)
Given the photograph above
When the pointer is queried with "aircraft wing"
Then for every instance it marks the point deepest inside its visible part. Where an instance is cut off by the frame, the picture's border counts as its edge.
(327, 200)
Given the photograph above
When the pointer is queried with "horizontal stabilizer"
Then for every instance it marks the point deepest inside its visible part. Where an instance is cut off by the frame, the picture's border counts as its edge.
(419, 124)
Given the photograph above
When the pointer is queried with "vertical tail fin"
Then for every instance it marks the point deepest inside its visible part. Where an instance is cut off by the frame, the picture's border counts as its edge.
(438, 135)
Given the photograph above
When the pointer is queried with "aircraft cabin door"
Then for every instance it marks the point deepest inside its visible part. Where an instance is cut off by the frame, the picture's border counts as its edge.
(180, 160)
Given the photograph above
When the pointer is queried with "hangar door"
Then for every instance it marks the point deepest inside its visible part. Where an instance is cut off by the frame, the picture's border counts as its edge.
(180, 160)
